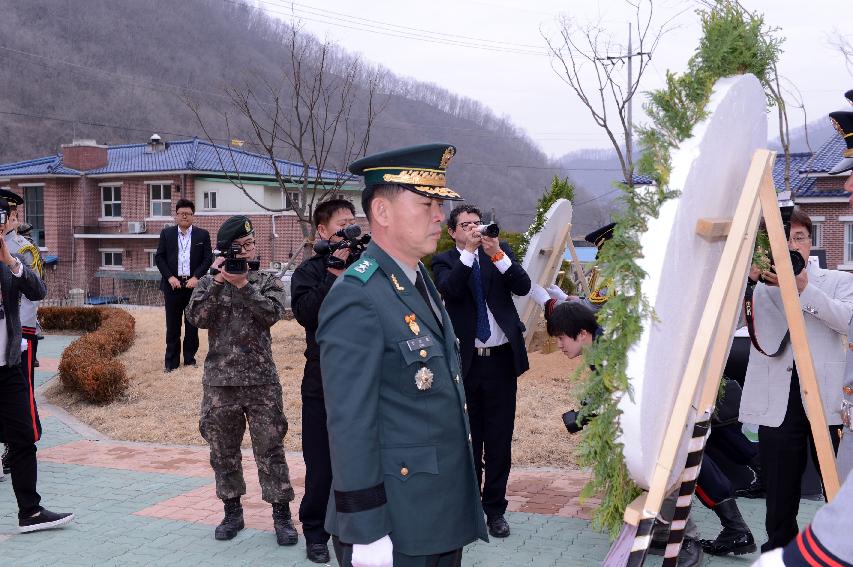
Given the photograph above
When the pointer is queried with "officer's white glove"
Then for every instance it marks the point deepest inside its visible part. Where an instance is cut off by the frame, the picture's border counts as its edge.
(376, 554)
(539, 294)
(556, 293)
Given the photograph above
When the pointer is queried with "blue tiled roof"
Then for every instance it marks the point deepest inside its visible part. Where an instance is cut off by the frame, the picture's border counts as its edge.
(643, 180)
(801, 186)
(51, 165)
(182, 155)
(827, 156)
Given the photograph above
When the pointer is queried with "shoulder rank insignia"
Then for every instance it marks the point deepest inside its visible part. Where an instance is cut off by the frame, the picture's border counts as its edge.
(411, 320)
(362, 269)
(397, 285)
(423, 378)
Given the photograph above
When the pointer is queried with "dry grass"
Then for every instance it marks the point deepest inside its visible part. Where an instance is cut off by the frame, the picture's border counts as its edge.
(163, 408)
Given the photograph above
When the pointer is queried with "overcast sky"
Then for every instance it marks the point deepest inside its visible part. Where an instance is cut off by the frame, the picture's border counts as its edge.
(494, 51)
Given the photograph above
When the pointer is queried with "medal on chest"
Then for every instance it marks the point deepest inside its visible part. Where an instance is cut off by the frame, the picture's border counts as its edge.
(411, 320)
(423, 378)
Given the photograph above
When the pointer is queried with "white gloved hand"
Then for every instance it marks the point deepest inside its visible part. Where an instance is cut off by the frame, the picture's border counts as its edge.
(376, 554)
(770, 559)
(539, 295)
(556, 293)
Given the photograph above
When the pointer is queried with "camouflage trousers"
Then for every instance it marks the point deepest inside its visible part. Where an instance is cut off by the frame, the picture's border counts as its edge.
(225, 410)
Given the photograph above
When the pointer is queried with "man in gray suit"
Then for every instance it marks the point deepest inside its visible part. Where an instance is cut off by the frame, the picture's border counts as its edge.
(771, 394)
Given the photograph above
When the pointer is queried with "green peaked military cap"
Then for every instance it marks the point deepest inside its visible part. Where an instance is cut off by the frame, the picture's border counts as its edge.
(235, 227)
(420, 169)
(843, 123)
(9, 200)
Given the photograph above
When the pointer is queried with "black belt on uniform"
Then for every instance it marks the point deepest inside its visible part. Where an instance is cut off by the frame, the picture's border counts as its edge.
(490, 351)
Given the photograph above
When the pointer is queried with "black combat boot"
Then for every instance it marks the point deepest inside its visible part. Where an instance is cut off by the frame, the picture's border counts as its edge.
(233, 520)
(285, 533)
(735, 537)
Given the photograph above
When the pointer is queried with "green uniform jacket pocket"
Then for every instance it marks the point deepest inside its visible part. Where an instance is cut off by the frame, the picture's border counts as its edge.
(405, 462)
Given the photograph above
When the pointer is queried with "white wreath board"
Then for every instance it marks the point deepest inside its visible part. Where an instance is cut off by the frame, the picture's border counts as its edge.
(536, 264)
(709, 170)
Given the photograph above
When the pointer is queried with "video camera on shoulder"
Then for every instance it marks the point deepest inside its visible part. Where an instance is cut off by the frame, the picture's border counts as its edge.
(786, 209)
(351, 238)
(492, 230)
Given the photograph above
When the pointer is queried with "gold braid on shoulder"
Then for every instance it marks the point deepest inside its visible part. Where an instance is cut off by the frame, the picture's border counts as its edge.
(38, 263)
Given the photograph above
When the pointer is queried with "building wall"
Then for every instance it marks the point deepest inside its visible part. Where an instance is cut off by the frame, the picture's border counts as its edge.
(73, 206)
(835, 219)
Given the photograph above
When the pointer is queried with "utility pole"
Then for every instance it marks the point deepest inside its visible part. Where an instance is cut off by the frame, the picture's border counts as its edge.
(629, 126)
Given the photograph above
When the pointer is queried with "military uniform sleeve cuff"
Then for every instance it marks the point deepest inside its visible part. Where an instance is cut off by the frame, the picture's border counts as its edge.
(353, 501)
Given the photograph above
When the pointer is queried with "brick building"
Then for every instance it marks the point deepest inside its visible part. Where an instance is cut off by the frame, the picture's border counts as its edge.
(98, 209)
(823, 198)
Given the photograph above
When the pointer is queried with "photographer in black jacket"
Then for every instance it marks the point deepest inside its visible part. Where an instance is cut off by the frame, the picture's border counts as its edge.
(311, 281)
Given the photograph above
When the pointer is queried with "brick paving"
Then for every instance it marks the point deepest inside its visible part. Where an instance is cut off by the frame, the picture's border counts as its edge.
(147, 504)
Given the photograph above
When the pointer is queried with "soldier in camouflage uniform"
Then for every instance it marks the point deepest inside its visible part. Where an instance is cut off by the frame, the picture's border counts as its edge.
(240, 381)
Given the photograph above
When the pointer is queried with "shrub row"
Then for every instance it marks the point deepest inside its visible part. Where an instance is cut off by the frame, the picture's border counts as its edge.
(88, 365)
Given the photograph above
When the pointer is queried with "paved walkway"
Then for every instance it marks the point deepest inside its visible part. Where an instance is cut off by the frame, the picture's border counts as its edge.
(146, 504)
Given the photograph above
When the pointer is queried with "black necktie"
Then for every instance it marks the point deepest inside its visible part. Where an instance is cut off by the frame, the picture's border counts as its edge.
(421, 285)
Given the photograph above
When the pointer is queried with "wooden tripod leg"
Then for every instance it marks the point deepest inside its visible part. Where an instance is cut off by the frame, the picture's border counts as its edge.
(799, 341)
(578, 268)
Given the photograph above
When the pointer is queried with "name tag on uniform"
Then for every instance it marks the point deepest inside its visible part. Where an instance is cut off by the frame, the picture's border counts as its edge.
(419, 342)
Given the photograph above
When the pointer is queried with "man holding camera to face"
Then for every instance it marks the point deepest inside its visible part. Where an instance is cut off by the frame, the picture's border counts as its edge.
(238, 305)
(477, 280)
(771, 394)
(310, 284)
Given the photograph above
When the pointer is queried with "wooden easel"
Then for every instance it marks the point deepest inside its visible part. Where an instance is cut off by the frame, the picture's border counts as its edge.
(713, 341)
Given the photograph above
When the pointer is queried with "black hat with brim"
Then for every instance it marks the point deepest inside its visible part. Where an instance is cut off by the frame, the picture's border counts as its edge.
(9, 200)
(235, 227)
(849, 95)
(600, 236)
(421, 169)
(843, 123)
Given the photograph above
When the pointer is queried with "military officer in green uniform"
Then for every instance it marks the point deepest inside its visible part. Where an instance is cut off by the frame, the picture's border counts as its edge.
(404, 490)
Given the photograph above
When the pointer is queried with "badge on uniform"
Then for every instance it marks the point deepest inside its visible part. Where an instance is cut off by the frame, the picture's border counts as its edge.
(397, 285)
(413, 323)
(423, 378)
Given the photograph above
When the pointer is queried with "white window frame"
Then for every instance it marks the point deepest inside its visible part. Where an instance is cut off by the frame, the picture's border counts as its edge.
(152, 265)
(817, 235)
(210, 200)
(104, 252)
(113, 202)
(161, 201)
(293, 200)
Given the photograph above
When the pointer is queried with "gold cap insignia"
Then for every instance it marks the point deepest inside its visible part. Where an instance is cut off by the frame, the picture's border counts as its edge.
(446, 157)
(248, 226)
(423, 379)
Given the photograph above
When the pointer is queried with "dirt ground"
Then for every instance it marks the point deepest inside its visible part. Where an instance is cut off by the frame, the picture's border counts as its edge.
(163, 408)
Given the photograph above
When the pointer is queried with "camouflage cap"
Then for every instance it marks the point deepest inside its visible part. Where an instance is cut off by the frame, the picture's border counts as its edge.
(235, 227)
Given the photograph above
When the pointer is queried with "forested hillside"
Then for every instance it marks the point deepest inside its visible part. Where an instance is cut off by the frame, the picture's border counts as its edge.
(119, 70)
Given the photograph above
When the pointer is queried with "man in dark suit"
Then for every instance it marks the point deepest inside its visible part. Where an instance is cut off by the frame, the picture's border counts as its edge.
(183, 256)
(477, 280)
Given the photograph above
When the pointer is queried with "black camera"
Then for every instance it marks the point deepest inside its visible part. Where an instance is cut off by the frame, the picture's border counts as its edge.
(233, 264)
(351, 238)
(570, 419)
(798, 263)
(492, 230)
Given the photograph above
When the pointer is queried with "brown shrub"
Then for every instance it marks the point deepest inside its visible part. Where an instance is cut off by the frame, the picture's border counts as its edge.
(88, 364)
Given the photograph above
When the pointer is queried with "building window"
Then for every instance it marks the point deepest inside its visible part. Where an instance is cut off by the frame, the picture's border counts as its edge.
(34, 210)
(152, 265)
(112, 260)
(293, 199)
(848, 243)
(111, 200)
(161, 200)
(209, 200)
(817, 235)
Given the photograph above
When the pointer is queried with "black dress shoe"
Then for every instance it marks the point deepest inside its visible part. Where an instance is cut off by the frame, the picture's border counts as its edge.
(191, 363)
(691, 554)
(498, 526)
(317, 552)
